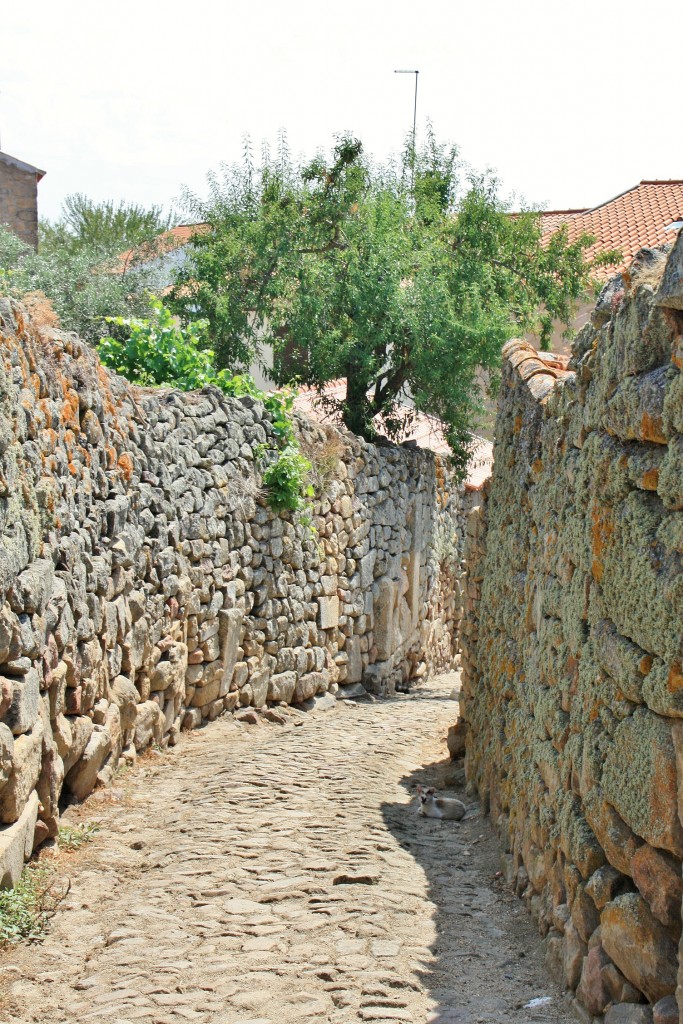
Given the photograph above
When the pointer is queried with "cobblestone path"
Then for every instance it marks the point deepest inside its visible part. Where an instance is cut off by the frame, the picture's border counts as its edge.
(275, 874)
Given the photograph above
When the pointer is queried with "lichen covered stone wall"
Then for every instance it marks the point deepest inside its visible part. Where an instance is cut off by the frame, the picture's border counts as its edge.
(573, 643)
(146, 585)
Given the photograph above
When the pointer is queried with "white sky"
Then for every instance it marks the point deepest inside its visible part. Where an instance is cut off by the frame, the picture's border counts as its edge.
(571, 101)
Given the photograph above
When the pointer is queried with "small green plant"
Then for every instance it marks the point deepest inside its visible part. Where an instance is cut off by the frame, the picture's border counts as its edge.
(286, 480)
(26, 909)
(161, 351)
(72, 837)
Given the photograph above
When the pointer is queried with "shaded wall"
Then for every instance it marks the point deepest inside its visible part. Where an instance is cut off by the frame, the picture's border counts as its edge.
(573, 641)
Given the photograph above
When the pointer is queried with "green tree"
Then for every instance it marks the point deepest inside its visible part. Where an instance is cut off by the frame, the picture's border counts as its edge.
(348, 271)
(108, 227)
(83, 286)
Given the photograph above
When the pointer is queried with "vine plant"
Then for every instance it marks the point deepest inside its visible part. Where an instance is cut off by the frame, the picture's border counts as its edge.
(161, 352)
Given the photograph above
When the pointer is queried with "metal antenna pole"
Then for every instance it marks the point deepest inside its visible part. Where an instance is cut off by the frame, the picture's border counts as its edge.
(412, 155)
(415, 118)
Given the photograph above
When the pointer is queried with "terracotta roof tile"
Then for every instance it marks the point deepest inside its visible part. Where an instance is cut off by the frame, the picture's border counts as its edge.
(164, 243)
(637, 217)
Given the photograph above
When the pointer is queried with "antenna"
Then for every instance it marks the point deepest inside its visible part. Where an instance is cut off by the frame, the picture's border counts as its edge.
(412, 155)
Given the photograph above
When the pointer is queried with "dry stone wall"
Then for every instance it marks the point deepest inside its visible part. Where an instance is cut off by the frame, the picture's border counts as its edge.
(572, 644)
(146, 585)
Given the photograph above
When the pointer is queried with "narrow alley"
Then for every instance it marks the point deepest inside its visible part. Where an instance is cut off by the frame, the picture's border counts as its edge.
(280, 873)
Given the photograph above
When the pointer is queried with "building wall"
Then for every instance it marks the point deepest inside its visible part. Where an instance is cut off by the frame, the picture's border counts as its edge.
(146, 586)
(572, 642)
(19, 202)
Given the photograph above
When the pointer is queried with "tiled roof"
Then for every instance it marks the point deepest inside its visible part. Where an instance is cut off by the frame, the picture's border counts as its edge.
(167, 242)
(629, 221)
(426, 432)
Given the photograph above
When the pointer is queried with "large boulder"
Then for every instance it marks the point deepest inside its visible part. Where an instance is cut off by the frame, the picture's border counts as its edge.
(641, 947)
(149, 725)
(27, 762)
(640, 782)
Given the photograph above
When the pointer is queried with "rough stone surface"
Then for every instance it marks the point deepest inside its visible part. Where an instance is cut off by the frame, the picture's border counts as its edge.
(247, 882)
(572, 699)
(665, 1011)
(16, 843)
(658, 878)
(81, 779)
(146, 586)
(640, 946)
(628, 1013)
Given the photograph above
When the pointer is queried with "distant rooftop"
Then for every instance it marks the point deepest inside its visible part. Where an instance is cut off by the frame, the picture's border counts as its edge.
(631, 220)
(168, 241)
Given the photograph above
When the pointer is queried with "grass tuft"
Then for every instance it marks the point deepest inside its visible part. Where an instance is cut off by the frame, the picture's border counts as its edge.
(72, 837)
(26, 909)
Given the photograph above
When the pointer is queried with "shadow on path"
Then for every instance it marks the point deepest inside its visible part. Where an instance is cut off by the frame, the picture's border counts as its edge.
(486, 961)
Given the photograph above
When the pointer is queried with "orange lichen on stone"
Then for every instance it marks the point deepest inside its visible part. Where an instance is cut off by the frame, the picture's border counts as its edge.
(110, 406)
(70, 410)
(126, 466)
(112, 458)
(650, 480)
(645, 664)
(652, 428)
(677, 353)
(601, 534)
(675, 681)
(85, 454)
(517, 425)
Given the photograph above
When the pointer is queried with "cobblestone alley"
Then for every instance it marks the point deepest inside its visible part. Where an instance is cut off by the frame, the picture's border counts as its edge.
(280, 873)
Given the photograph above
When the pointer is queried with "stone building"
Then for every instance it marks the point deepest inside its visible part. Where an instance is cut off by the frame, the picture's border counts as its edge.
(19, 197)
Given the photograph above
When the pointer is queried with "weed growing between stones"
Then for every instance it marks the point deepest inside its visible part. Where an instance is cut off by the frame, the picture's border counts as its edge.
(26, 909)
(72, 837)
(324, 458)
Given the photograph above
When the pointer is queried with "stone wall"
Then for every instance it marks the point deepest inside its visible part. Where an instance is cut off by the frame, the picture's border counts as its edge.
(573, 644)
(19, 200)
(147, 586)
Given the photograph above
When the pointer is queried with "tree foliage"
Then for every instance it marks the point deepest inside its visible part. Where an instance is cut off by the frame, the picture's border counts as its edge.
(406, 279)
(83, 286)
(108, 228)
(159, 351)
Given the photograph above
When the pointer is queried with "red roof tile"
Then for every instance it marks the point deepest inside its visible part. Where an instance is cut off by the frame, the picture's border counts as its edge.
(164, 243)
(637, 217)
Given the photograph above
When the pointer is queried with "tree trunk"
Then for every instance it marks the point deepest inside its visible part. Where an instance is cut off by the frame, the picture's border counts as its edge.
(357, 415)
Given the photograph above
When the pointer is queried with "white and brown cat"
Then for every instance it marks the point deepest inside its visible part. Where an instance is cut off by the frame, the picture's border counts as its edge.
(433, 806)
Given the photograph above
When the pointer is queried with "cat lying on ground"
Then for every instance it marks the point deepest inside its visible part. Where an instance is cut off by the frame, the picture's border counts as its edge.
(433, 806)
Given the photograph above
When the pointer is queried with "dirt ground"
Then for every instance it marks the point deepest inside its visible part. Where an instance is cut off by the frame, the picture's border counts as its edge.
(274, 874)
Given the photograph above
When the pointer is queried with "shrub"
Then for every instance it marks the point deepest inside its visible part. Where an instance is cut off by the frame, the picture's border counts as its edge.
(72, 837)
(83, 286)
(161, 351)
